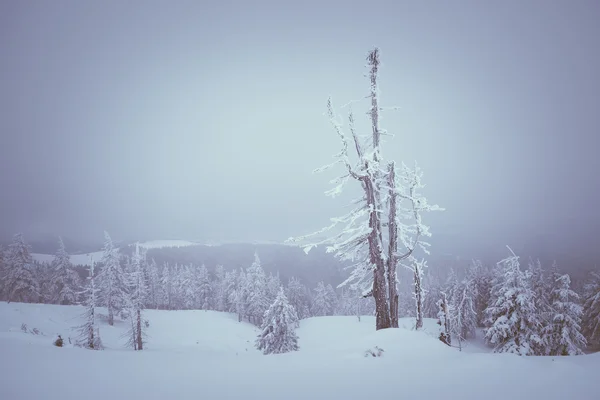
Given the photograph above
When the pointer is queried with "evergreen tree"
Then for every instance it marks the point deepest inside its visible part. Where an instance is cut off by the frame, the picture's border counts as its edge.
(482, 282)
(514, 326)
(220, 289)
(322, 304)
(591, 310)
(166, 290)
(89, 332)
(256, 282)
(566, 338)
(433, 294)
(278, 329)
(153, 284)
(193, 297)
(241, 296)
(19, 281)
(111, 280)
(298, 297)
(230, 285)
(542, 285)
(138, 293)
(204, 288)
(462, 315)
(332, 299)
(273, 285)
(65, 282)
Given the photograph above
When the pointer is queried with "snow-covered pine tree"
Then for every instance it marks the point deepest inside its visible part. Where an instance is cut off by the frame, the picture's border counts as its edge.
(322, 302)
(273, 285)
(566, 338)
(256, 282)
(42, 274)
(332, 299)
(278, 333)
(298, 297)
(89, 332)
(230, 285)
(591, 310)
(434, 293)
(543, 285)
(111, 280)
(462, 315)
(443, 320)
(514, 326)
(205, 289)
(219, 289)
(138, 293)
(153, 284)
(241, 296)
(193, 298)
(482, 281)
(166, 287)
(19, 281)
(65, 282)
(362, 239)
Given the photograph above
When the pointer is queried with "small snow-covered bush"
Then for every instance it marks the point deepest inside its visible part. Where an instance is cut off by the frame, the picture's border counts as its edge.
(374, 352)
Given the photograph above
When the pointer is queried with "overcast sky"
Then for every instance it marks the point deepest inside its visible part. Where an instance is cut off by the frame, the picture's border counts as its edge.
(203, 120)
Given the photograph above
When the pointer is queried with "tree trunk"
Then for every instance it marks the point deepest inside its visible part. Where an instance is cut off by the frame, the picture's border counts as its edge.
(392, 248)
(111, 317)
(418, 298)
(139, 330)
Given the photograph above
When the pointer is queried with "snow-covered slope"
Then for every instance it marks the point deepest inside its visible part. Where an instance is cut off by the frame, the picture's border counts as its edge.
(209, 355)
(159, 244)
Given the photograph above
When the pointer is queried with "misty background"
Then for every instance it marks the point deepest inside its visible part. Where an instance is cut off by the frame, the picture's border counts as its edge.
(204, 121)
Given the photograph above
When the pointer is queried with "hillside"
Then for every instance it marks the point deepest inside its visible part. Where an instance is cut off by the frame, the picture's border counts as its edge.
(203, 354)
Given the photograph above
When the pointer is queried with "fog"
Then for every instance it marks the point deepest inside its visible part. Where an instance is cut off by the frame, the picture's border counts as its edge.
(204, 121)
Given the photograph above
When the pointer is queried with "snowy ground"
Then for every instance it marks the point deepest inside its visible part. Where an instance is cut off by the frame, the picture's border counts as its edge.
(209, 355)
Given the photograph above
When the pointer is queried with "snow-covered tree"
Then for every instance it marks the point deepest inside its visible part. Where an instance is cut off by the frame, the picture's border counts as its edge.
(256, 283)
(482, 281)
(89, 332)
(512, 320)
(388, 197)
(566, 338)
(19, 281)
(273, 285)
(591, 310)
(64, 282)
(111, 280)
(322, 301)
(298, 297)
(138, 293)
(205, 289)
(418, 290)
(278, 333)
(219, 289)
(443, 320)
(191, 278)
(431, 295)
(543, 284)
(166, 288)
(230, 286)
(462, 315)
(241, 296)
(153, 284)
